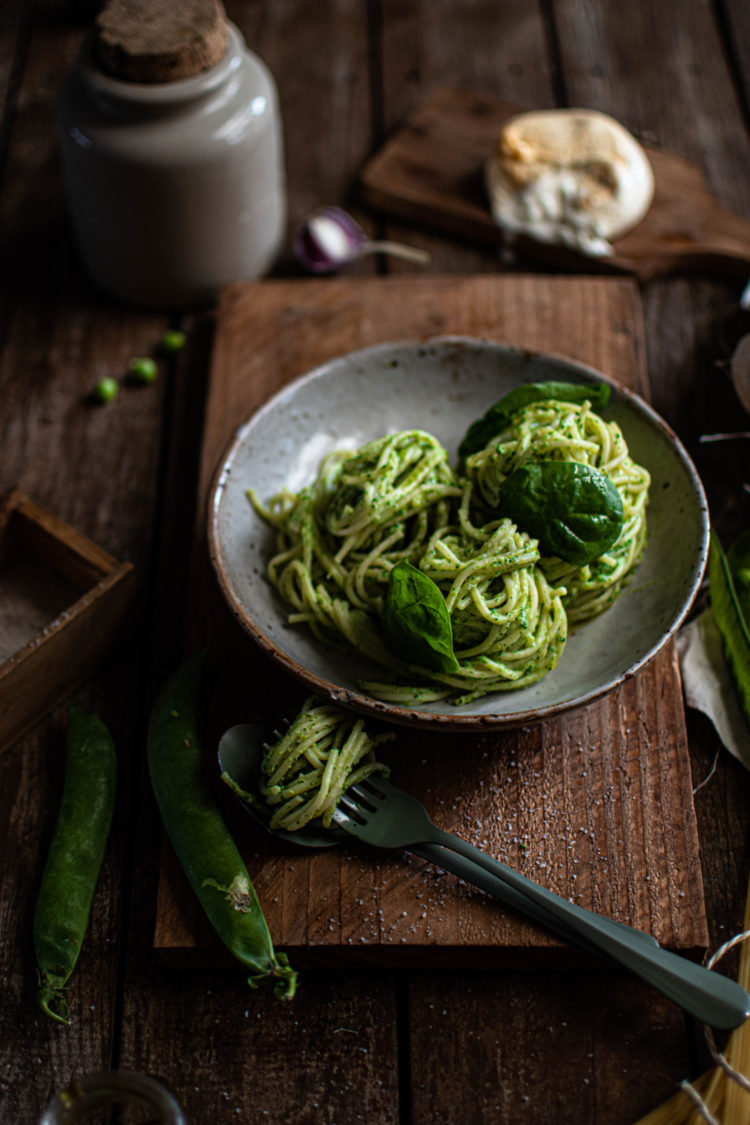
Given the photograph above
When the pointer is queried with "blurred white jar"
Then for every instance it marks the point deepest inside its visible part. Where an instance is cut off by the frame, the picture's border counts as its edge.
(174, 188)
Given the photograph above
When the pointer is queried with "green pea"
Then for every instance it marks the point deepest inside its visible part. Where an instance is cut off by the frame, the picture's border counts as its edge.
(143, 369)
(75, 857)
(173, 341)
(106, 389)
(200, 837)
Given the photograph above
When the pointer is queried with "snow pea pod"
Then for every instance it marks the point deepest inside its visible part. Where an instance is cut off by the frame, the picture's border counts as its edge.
(199, 834)
(75, 857)
(728, 589)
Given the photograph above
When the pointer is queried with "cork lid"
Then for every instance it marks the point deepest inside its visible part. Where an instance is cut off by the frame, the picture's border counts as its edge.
(155, 41)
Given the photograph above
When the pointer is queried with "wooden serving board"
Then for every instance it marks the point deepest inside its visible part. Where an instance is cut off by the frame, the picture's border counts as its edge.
(430, 172)
(596, 804)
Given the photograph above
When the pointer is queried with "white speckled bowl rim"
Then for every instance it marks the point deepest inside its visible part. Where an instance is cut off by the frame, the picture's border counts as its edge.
(442, 385)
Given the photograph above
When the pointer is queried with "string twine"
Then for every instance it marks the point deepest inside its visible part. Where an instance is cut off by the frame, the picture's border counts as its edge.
(718, 1057)
(698, 1102)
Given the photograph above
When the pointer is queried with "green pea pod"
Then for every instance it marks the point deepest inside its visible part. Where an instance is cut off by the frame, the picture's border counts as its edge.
(200, 837)
(494, 421)
(738, 557)
(75, 857)
(727, 610)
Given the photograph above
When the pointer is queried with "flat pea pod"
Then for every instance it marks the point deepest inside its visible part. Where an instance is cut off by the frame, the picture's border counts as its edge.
(727, 608)
(199, 834)
(75, 857)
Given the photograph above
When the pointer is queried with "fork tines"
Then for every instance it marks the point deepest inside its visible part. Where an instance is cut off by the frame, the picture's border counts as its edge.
(360, 799)
(369, 787)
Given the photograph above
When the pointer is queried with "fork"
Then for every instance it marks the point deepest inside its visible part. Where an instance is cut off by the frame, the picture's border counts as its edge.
(384, 816)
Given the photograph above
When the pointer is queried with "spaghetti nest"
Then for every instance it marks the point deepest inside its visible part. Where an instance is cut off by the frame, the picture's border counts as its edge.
(563, 431)
(397, 499)
(307, 769)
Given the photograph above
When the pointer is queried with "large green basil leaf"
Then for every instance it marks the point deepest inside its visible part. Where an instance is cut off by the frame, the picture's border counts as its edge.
(495, 420)
(416, 620)
(574, 511)
(727, 607)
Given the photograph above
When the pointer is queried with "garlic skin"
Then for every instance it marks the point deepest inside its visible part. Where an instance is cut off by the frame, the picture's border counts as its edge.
(334, 242)
(329, 239)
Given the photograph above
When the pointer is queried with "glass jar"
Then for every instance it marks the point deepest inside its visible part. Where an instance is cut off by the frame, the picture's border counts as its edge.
(85, 1096)
(174, 188)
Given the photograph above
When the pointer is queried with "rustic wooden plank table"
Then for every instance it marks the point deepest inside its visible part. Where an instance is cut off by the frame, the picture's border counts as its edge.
(381, 1046)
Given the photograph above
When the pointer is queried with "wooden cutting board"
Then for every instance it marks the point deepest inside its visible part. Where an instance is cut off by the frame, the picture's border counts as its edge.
(430, 172)
(596, 804)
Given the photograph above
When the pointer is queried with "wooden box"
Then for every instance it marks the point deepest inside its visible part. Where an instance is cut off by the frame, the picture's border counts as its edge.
(62, 602)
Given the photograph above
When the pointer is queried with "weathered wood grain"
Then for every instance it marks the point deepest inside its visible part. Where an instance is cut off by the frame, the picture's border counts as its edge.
(669, 82)
(540, 1049)
(736, 43)
(98, 470)
(13, 25)
(508, 55)
(544, 1049)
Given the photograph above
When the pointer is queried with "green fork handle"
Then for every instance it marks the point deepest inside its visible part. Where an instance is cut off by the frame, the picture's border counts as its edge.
(709, 996)
(471, 872)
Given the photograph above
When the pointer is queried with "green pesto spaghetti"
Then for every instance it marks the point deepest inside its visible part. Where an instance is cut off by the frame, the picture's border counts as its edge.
(323, 752)
(564, 431)
(397, 499)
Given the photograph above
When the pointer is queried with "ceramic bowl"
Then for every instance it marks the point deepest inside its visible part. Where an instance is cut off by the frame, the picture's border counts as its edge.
(442, 386)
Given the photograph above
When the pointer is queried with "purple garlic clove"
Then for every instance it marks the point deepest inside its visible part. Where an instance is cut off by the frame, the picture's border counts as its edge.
(329, 239)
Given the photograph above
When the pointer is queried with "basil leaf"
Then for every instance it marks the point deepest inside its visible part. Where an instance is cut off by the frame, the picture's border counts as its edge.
(728, 615)
(575, 511)
(495, 420)
(416, 621)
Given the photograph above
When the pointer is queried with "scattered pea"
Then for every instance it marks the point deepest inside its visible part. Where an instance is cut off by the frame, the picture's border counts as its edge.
(106, 389)
(173, 341)
(143, 369)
